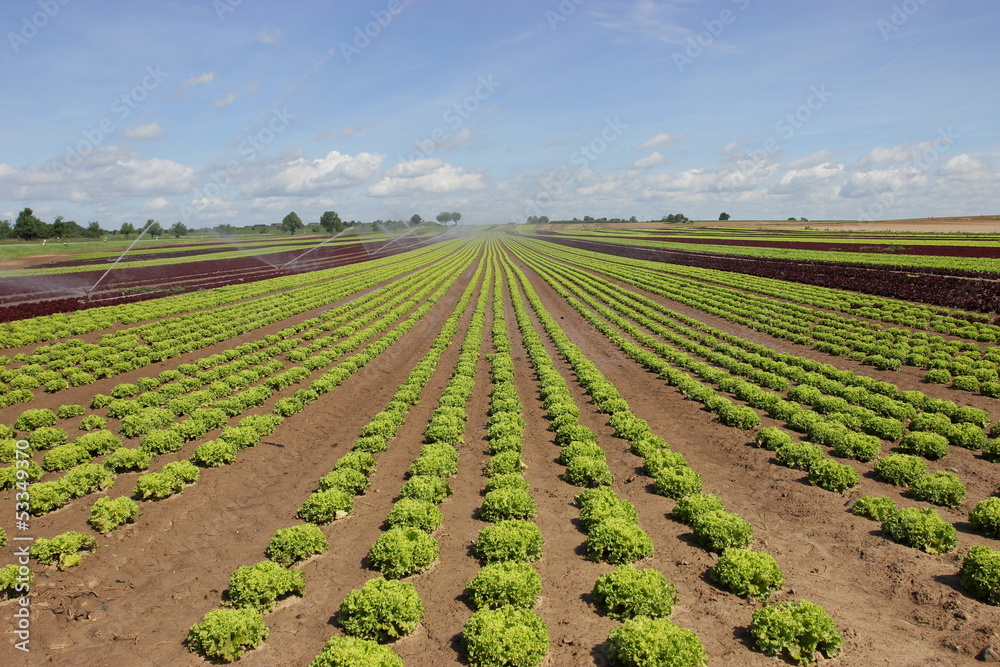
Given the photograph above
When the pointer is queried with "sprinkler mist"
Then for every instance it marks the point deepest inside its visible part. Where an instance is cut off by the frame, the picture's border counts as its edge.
(89, 292)
(318, 245)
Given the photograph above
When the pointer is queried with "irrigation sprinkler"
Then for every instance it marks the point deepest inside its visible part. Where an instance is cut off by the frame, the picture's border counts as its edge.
(115, 263)
(318, 245)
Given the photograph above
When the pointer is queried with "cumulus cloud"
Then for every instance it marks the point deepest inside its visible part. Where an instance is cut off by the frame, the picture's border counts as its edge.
(662, 139)
(312, 177)
(453, 141)
(147, 132)
(431, 175)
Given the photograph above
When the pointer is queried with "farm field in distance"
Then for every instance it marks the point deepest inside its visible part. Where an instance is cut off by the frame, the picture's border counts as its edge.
(562, 399)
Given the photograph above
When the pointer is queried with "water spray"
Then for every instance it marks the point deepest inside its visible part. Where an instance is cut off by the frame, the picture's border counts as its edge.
(115, 263)
(319, 245)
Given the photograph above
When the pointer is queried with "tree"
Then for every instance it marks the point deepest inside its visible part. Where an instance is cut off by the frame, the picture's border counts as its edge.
(6, 229)
(153, 228)
(456, 217)
(676, 218)
(224, 229)
(178, 229)
(65, 228)
(331, 222)
(416, 220)
(93, 230)
(543, 219)
(291, 222)
(633, 219)
(443, 217)
(723, 216)
(127, 229)
(28, 227)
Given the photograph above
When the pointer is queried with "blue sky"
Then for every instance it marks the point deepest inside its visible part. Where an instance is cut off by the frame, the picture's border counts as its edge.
(239, 111)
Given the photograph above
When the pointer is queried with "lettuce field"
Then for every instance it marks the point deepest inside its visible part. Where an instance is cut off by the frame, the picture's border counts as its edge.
(529, 445)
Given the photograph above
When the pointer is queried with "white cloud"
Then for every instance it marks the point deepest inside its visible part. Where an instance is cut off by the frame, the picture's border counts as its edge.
(662, 139)
(157, 204)
(816, 159)
(348, 131)
(964, 167)
(312, 177)
(652, 160)
(822, 180)
(147, 132)
(425, 176)
(191, 82)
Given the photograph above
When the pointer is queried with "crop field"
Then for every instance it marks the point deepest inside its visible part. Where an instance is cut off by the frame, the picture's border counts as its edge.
(524, 446)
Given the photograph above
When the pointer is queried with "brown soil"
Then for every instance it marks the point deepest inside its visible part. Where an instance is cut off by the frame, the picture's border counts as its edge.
(132, 601)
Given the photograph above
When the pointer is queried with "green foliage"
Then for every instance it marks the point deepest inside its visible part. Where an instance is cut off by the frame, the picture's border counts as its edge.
(659, 460)
(575, 449)
(876, 508)
(185, 471)
(64, 457)
(980, 574)
(46, 437)
(67, 411)
(627, 592)
(505, 637)
(900, 469)
(985, 517)
(924, 443)
(416, 513)
(833, 475)
(799, 455)
(343, 651)
(157, 485)
(511, 480)
(677, 482)
(47, 496)
(108, 513)
(402, 551)
(739, 416)
(857, 446)
(719, 530)
(346, 479)
(261, 585)
(426, 487)
(323, 507)
(588, 471)
(214, 453)
(617, 540)
(602, 503)
(940, 487)
(772, 438)
(63, 550)
(382, 610)
(29, 420)
(969, 436)
(512, 583)
(296, 543)
(509, 503)
(748, 573)
(226, 634)
(654, 642)
(689, 507)
(504, 463)
(125, 459)
(921, 528)
(796, 629)
(363, 462)
(161, 442)
(11, 577)
(87, 478)
(98, 442)
(511, 539)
